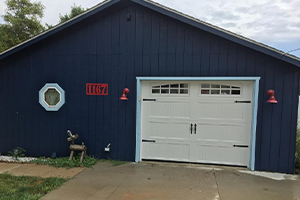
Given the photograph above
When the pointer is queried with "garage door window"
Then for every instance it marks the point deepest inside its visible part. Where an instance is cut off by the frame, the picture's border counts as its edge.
(217, 89)
(173, 89)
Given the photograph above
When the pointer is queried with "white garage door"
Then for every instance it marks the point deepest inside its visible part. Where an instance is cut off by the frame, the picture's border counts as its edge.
(197, 121)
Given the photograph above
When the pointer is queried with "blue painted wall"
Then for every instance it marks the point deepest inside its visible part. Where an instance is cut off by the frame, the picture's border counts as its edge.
(111, 48)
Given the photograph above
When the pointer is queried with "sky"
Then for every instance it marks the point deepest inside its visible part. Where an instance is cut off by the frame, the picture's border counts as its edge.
(272, 22)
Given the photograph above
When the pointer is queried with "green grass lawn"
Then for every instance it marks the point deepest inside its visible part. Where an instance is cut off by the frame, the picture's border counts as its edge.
(89, 161)
(26, 187)
(65, 162)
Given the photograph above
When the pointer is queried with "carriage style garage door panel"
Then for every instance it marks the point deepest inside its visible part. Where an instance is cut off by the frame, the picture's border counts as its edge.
(197, 121)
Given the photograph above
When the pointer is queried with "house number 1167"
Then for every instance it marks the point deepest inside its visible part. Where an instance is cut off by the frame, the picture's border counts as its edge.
(96, 89)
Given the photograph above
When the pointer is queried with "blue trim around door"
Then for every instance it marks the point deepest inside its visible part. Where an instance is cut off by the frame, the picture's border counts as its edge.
(254, 107)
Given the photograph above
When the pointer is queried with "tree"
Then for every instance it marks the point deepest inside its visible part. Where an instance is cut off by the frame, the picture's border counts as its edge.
(75, 10)
(22, 21)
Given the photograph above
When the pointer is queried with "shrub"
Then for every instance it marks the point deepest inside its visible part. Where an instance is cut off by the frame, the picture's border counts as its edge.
(17, 152)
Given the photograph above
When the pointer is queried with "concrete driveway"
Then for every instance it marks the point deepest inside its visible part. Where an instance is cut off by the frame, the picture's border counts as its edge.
(151, 180)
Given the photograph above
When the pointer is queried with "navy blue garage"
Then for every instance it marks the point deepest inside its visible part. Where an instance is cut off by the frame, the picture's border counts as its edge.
(198, 93)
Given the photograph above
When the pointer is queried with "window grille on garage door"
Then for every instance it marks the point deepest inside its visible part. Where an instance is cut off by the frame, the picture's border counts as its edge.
(171, 89)
(218, 89)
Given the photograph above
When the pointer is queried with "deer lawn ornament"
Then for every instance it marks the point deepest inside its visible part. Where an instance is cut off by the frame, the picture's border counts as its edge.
(76, 147)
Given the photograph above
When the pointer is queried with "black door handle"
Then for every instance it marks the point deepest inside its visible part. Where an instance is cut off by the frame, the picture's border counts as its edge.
(195, 131)
(191, 128)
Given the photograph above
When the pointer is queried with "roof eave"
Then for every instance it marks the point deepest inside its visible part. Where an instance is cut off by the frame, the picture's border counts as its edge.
(99, 7)
(168, 12)
(220, 32)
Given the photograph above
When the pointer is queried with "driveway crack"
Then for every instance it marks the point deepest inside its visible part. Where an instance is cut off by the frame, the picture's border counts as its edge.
(217, 184)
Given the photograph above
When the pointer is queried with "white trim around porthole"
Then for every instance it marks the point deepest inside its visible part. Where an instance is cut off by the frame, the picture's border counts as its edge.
(43, 102)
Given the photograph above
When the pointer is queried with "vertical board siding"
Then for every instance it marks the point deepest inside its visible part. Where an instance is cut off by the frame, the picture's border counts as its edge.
(232, 60)
(266, 127)
(259, 71)
(241, 61)
(188, 52)
(250, 64)
(205, 56)
(147, 44)
(294, 122)
(179, 51)
(91, 70)
(171, 50)
(223, 58)
(123, 76)
(163, 35)
(139, 42)
(276, 117)
(130, 114)
(286, 122)
(114, 93)
(15, 104)
(113, 89)
(20, 109)
(154, 45)
(214, 56)
(99, 134)
(8, 133)
(3, 109)
(114, 47)
(196, 54)
(103, 29)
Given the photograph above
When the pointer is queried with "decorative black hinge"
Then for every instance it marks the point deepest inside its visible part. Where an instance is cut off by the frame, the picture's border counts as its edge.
(149, 99)
(242, 101)
(241, 146)
(148, 141)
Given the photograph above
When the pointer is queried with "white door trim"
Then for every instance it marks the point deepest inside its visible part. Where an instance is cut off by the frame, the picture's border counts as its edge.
(254, 107)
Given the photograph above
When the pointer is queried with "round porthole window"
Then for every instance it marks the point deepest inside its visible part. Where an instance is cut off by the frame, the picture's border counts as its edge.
(52, 97)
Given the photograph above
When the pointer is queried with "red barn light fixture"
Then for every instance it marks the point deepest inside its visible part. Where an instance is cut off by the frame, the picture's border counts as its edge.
(272, 98)
(123, 97)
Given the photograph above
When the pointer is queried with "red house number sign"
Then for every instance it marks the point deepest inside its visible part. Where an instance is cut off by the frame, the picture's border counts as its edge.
(96, 89)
